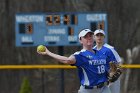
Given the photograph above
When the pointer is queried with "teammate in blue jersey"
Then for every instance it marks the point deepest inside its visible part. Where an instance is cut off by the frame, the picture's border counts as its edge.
(113, 56)
(92, 65)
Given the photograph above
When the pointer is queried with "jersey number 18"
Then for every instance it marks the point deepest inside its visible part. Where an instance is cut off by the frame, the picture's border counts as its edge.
(101, 69)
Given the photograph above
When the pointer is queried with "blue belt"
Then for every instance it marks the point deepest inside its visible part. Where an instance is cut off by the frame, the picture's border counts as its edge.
(100, 85)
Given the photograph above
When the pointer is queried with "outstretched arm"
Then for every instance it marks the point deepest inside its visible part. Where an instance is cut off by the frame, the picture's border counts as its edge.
(62, 59)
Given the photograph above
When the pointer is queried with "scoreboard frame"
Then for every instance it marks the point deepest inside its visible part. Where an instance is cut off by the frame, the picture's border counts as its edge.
(57, 28)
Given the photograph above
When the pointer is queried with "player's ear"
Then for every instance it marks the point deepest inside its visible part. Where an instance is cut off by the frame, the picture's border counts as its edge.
(80, 41)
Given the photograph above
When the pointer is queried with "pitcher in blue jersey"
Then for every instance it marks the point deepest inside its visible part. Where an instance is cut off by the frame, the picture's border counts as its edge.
(109, 51)
(92, 65)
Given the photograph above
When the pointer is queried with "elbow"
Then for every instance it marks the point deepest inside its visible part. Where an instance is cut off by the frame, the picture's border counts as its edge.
(69, 62)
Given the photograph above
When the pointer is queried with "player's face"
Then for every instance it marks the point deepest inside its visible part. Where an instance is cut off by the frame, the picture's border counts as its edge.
(87, 40)
(99, 38)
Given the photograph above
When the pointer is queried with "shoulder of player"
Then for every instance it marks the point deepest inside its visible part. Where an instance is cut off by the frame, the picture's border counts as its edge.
(108, 47)
(78, 52)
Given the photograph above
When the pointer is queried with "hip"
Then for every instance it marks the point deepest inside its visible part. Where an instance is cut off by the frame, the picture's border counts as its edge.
(100, 88)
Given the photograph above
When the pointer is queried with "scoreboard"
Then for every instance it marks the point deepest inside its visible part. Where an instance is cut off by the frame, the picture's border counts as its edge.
(55, 29)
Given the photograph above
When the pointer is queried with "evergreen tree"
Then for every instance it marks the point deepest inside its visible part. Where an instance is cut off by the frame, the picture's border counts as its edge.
(25, 87)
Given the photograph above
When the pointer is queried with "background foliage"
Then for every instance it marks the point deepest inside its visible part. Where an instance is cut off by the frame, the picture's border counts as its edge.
(123, 31)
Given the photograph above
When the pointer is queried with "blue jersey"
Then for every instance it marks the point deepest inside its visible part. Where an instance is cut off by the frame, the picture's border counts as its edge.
(110, 52)
(92, 67)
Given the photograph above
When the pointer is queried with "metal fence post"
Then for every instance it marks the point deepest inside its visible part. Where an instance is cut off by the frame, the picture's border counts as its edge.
(62, 88)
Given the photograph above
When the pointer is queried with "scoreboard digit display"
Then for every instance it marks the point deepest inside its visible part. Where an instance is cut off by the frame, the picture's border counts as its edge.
(55, 29)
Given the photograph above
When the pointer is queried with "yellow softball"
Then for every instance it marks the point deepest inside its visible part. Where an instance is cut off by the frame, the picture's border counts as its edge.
(41, 48)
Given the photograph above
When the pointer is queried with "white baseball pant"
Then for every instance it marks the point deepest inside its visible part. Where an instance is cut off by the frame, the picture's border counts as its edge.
(115, 87)
(104, 89)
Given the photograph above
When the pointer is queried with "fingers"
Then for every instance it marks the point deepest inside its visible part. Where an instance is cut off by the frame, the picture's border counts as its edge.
(41, 53)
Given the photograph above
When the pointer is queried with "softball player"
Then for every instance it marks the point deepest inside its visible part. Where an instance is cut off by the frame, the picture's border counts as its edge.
(92, 65)
(110, 52)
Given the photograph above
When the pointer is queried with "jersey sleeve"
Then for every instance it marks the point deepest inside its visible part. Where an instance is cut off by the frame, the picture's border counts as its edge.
(78, 58)
(113, 55)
